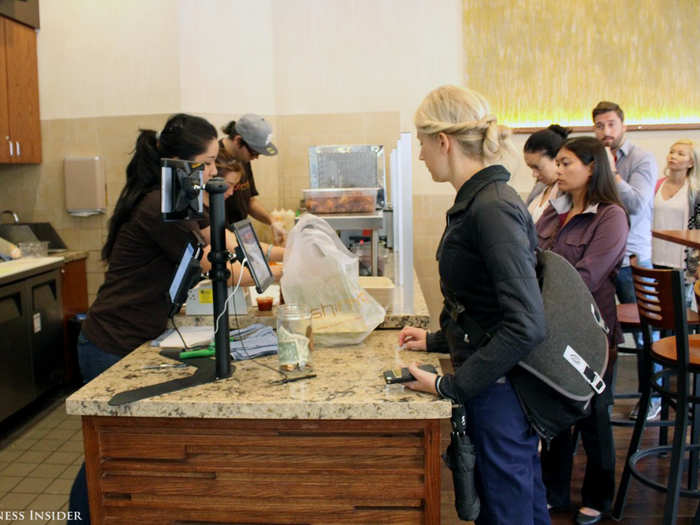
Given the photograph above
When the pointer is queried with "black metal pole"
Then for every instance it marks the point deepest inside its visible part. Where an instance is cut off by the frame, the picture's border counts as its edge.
(219, 273)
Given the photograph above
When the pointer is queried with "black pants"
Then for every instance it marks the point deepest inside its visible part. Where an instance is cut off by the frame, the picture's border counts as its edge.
(599, 481)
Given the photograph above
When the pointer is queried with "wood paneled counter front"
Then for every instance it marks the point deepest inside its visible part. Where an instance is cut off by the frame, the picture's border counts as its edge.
(342, 447)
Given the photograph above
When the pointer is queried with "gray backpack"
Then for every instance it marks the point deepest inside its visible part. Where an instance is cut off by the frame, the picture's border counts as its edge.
(574, 355)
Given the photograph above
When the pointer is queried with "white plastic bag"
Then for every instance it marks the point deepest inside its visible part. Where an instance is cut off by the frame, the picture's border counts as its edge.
(321, 273)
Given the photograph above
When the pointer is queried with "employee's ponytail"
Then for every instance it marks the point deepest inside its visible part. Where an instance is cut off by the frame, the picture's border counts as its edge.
(183, 137)
(230, 130)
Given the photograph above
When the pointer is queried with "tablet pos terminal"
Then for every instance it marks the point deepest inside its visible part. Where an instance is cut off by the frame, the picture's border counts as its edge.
(187, 274)
(250, 248)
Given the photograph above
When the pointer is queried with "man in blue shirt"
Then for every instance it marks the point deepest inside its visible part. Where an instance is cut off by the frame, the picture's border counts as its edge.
(635, 173)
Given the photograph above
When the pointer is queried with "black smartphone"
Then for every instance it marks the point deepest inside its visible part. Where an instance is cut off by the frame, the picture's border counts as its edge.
(403, 375)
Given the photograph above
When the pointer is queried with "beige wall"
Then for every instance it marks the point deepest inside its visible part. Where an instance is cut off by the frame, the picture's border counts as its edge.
(112, 57)
(227, 59)
(37, 192)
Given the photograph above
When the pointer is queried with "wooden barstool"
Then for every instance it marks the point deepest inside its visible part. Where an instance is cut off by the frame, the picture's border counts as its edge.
(628, 317)
(661, 305)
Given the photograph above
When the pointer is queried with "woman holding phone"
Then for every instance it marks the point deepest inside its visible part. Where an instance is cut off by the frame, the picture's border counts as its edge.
(486, 260)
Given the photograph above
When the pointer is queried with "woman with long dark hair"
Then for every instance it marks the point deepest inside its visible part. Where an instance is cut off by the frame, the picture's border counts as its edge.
(588, 226)
(142, 252)
(539, 153)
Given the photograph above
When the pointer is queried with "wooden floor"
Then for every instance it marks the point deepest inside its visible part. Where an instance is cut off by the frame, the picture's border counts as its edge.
(644, 505)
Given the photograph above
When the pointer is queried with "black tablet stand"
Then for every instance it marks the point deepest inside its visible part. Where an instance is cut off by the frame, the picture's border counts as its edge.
(219, 274)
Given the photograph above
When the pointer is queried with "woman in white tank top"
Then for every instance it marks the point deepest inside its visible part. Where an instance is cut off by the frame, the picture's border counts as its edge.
(677, 207)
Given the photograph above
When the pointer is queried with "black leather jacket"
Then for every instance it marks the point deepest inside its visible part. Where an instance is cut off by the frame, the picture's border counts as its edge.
(487, 263)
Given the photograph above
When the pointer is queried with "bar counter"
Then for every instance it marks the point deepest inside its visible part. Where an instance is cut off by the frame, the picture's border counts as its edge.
(342, 447)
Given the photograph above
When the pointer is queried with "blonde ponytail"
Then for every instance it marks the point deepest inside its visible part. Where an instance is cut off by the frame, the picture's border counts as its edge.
(465, 115)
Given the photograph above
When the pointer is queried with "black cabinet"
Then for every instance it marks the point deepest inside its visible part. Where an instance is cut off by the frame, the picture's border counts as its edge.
(46, 330)
(31, 339)
(16, 375)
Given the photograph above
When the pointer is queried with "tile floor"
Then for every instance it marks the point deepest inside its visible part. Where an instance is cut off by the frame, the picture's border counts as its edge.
(39, 464)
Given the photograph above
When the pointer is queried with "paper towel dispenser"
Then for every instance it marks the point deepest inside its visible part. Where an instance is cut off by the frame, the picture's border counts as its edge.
(84, 185)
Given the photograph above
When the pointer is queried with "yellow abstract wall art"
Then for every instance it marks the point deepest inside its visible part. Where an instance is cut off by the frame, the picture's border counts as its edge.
(544, 61)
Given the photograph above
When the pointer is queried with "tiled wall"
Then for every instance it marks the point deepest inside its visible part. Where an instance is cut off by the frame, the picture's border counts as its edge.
(36, 193)
(296, 133)
(428, 225)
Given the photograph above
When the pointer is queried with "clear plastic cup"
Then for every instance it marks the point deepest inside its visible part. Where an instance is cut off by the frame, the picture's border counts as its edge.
(34, 248)
(294, 337)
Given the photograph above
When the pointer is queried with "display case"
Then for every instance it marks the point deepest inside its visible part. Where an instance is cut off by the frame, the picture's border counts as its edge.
(348, 166)
(340, 200)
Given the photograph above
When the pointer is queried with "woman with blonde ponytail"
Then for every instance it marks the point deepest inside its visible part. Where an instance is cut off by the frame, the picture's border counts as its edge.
(487, 267)
(677, 207)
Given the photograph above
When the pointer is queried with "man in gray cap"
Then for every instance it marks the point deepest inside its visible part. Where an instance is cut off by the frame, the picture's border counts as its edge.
(246, 139)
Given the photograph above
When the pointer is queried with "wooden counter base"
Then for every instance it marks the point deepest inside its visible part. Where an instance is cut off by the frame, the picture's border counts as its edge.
(170, 470)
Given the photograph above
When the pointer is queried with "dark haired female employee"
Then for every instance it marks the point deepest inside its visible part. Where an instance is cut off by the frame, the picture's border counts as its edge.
(142, 252)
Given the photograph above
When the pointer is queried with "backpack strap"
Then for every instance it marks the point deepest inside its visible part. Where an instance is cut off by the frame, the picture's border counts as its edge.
(579, 363)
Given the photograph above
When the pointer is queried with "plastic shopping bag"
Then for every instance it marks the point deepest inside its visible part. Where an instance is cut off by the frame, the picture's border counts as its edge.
(321, 273)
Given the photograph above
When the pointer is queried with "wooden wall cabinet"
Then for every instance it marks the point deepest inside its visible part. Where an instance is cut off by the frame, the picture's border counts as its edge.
(20, 131)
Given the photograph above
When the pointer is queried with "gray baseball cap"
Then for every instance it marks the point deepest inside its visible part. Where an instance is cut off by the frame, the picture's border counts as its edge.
(257, 133)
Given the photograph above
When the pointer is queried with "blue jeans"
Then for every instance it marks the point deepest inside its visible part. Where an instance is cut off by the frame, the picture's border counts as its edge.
(508, 474)
(93, 361)
(624, 287)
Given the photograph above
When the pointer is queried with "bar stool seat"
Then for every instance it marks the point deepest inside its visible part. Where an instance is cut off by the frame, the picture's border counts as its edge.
(665, 350)
(628, 316)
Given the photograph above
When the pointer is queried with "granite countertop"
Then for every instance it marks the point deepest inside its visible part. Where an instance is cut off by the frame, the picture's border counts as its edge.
(349, 385)
(395, 316)
(17, 269)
